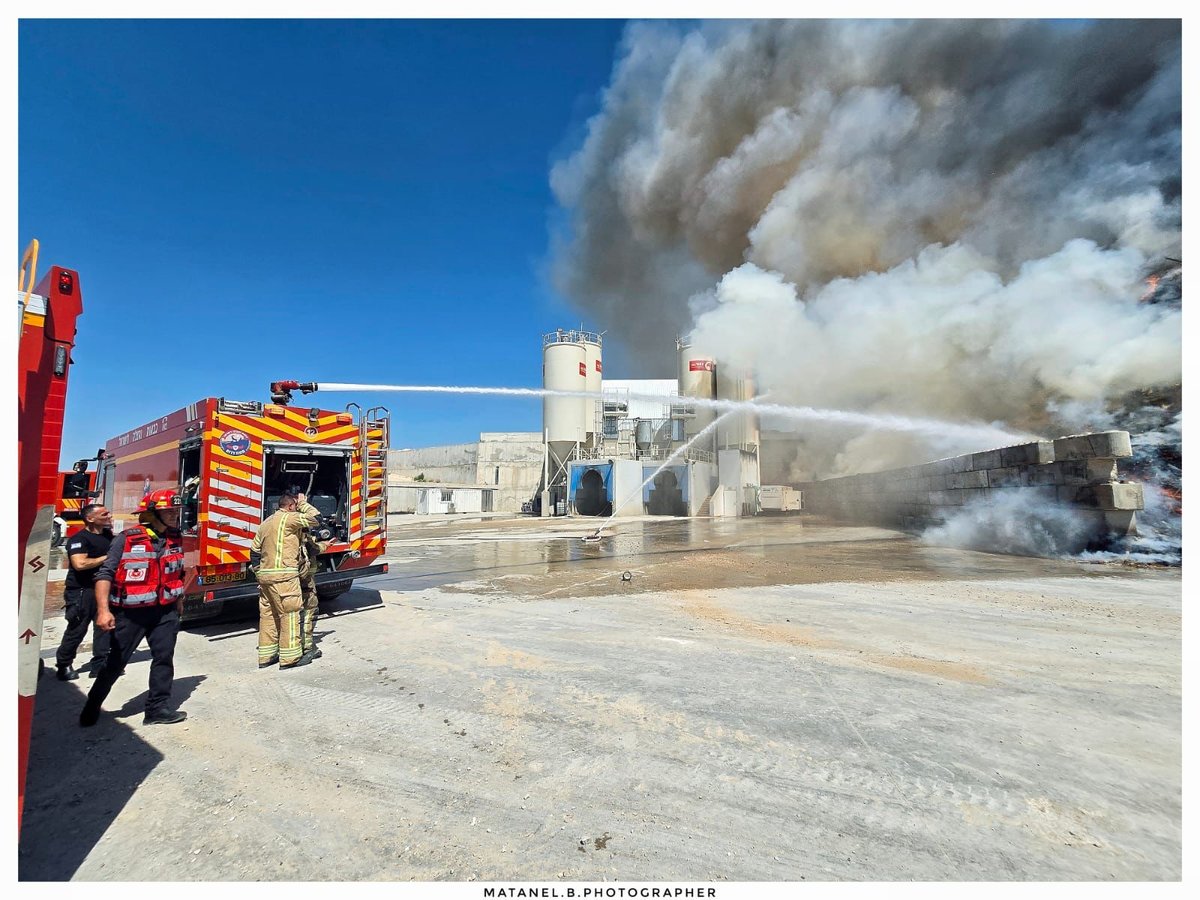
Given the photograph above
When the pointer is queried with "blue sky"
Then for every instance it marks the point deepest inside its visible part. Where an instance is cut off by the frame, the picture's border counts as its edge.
(357, 201)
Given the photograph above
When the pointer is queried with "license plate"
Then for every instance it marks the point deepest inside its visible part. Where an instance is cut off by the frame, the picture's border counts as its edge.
(223, 579)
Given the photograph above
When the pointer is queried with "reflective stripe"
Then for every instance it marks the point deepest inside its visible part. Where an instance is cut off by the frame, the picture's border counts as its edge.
(279, 541)
(150, 599)
(277, 571)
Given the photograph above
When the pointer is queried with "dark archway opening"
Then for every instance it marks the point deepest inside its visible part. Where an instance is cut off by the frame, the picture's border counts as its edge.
(666, 497)
(591, 498)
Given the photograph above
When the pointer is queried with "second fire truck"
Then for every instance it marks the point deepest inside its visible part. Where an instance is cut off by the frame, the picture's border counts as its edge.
(230, 460)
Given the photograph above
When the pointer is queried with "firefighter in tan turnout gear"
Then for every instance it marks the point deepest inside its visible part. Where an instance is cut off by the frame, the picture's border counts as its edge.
(308, 588)
(279, 544)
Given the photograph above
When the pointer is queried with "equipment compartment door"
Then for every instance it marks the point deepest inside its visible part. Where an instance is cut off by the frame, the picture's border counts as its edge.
(323, 473)
(189, 485)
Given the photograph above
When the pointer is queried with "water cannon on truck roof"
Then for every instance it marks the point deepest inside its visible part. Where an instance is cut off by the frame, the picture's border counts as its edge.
(281, 391)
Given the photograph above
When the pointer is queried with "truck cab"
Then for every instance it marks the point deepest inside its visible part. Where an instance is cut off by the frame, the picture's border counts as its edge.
(76, 489)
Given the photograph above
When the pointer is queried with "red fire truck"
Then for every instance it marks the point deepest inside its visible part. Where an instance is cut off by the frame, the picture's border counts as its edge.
(231, 460)
(46, 317)
(72, 499)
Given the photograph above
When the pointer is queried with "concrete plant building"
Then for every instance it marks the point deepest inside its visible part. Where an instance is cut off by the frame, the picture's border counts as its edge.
(644, 446)
(636, 447)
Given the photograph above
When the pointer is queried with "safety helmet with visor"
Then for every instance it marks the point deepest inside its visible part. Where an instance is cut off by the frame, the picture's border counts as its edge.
(164, 504)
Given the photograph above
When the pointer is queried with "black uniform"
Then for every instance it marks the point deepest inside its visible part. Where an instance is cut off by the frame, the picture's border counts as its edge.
(79, 602)
(159, 625)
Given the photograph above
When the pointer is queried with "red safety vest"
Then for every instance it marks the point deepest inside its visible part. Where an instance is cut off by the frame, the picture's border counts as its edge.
(143, 576)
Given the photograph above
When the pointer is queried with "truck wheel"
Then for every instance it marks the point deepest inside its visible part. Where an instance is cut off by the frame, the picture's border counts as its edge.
(331, 590)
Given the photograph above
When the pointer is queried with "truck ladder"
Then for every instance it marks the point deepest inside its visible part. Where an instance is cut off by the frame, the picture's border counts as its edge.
(374, 430)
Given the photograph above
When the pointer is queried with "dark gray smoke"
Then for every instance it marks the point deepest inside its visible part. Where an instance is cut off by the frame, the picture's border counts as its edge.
(953, 219)
(823, 150)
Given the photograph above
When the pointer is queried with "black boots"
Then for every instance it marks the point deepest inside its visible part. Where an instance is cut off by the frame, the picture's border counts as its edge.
(304, 660)
(67, 673)
(90, 714)
(270, 662)
(164, 717)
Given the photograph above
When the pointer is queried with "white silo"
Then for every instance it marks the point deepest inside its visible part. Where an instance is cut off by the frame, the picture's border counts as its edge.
(737, 446)
(564, 419)
(738, 431)
(593, 362)
(697, 378)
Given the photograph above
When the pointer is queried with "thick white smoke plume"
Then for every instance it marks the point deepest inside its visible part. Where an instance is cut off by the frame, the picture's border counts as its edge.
(944, 334)
(1010, 523)
(953, 219)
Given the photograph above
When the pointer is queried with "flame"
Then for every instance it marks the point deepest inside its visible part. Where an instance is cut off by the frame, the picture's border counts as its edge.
(1151, 287)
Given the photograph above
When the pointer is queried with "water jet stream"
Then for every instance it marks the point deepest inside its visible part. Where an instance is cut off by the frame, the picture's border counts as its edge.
(985, 436)
(670, 459)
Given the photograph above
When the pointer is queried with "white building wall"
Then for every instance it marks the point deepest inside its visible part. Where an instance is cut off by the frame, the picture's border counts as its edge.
(617, 389)
(738, 474)
(511, 462)
(430, 502)
(627, 488)
(401, 499)
(702, 482)
(440, 501)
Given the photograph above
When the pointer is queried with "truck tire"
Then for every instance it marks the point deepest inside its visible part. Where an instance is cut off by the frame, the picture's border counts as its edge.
(331, 590)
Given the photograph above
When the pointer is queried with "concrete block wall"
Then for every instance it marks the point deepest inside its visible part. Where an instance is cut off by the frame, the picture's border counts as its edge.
(512, 461)
(453, 462)
(1079, 471)
(509, 461)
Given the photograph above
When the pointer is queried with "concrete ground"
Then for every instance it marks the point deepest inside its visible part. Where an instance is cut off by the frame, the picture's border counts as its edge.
(774, 699)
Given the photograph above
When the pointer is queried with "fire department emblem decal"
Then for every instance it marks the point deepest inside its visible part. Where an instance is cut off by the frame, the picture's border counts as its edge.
(234, 443)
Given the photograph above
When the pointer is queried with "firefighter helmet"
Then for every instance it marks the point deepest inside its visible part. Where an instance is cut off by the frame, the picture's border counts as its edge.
(159, 500)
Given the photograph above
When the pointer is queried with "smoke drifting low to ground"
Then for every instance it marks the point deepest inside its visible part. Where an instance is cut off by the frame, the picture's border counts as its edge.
(1010, 523)
(952, 219)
